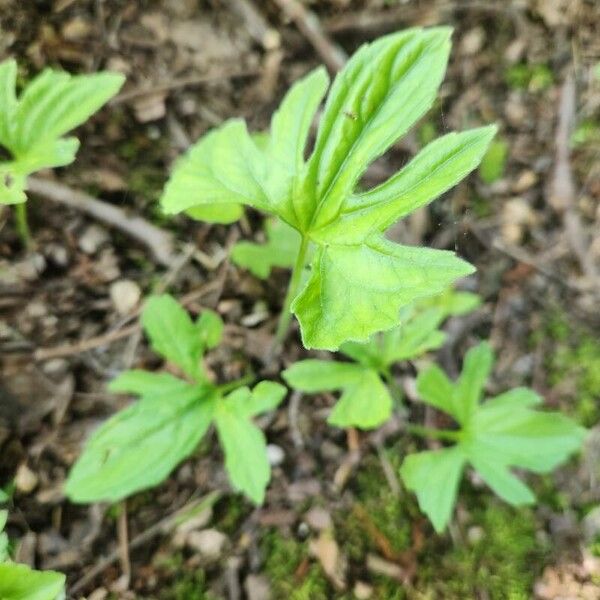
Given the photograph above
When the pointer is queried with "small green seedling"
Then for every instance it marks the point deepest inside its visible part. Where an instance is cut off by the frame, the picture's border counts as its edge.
(279, 250)
(19, 582)
(503, 432)
(32, 126)
(139, 446)
(366, 401)
(358, 280)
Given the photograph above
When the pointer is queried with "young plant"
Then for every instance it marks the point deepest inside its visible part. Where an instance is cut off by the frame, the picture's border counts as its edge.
(358, 279)
(19, 582)
(32, 126)
(503, 432)
(139, 446)
(366, 401)
(279, 250)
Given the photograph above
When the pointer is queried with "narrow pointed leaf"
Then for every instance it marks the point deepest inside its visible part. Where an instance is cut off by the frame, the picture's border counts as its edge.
(385, 87)
(173, 334)
(476, 369)
(8, 99)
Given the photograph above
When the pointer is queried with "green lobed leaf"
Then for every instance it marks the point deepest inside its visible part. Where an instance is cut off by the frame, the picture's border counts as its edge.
(280, 250)
(210, 327)
(19, 582)
(32, 126)
(354, 291)
(223, 213)
(139, 446)
(358, 280)
(365, 401)
(502, 433)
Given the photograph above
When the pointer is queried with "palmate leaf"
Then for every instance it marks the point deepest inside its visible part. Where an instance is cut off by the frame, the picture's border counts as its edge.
(358, 280)
(365, 401)
(139, 446)
(19, 582)
(32, 125)
(503, 432)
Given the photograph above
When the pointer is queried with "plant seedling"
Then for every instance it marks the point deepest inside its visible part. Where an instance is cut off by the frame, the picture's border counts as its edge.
(32, 126)
(358, 280)
(139, 446)
(366, 401)
(503, 432)
(19, 582)
(280, 250)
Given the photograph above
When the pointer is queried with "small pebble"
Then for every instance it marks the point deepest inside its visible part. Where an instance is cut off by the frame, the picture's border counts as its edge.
(125, 295)
(318, 518)
(362, 590)
(25, 479)
(208, 542)
(92, 238)
(275, 455)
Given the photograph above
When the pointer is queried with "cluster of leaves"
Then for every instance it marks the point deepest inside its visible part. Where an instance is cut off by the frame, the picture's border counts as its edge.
(19, 582)
(493, 436)
(139, 446)
(32, 126)
(358, 280)
(366, 401)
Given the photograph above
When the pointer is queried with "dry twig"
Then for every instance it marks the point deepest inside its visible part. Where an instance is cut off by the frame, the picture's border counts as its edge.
(159, 242)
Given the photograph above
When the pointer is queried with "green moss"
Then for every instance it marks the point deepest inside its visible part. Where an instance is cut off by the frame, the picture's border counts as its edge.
(230, 513)
(179, 582)
(573, 364)
(503, 564)
(534, 78)
(383, 509)
(282, 559)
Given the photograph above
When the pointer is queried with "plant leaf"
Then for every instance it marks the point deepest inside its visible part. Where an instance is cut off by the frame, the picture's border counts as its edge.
(437, 168)
(145, 383)
(383, 90)
(265, 396)
(354, 291)
(8, 99)
(224, 167)
(139, 446)
(500, 434)
(223, 213)
(365, 401)
(19, 582)
(281, 249)
(434, 477)
(173, 334)
(244, 446)
(210, 327)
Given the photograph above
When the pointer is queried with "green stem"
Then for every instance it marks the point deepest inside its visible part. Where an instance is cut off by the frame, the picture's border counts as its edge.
(22, 224)
(286, 316)
(396, 390)
(437, 434)
(234, 385)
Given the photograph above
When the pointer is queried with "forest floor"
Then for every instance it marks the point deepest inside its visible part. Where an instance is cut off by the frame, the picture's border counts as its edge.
(335, 524)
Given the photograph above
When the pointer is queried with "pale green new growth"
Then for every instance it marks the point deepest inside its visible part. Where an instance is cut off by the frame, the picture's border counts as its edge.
(358, 280)
(280, 250)
(503, 432)
(139, 446)
(366, 401)
(32, 125)
(19, 582)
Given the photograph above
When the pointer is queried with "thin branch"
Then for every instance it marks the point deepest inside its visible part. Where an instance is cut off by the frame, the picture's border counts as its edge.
(159, 242)
(310, 27)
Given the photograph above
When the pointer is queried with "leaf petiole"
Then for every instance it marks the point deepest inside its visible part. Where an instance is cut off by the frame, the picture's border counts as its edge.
(225, 388)
(286, 315)
(445, 435)
(23, 224)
